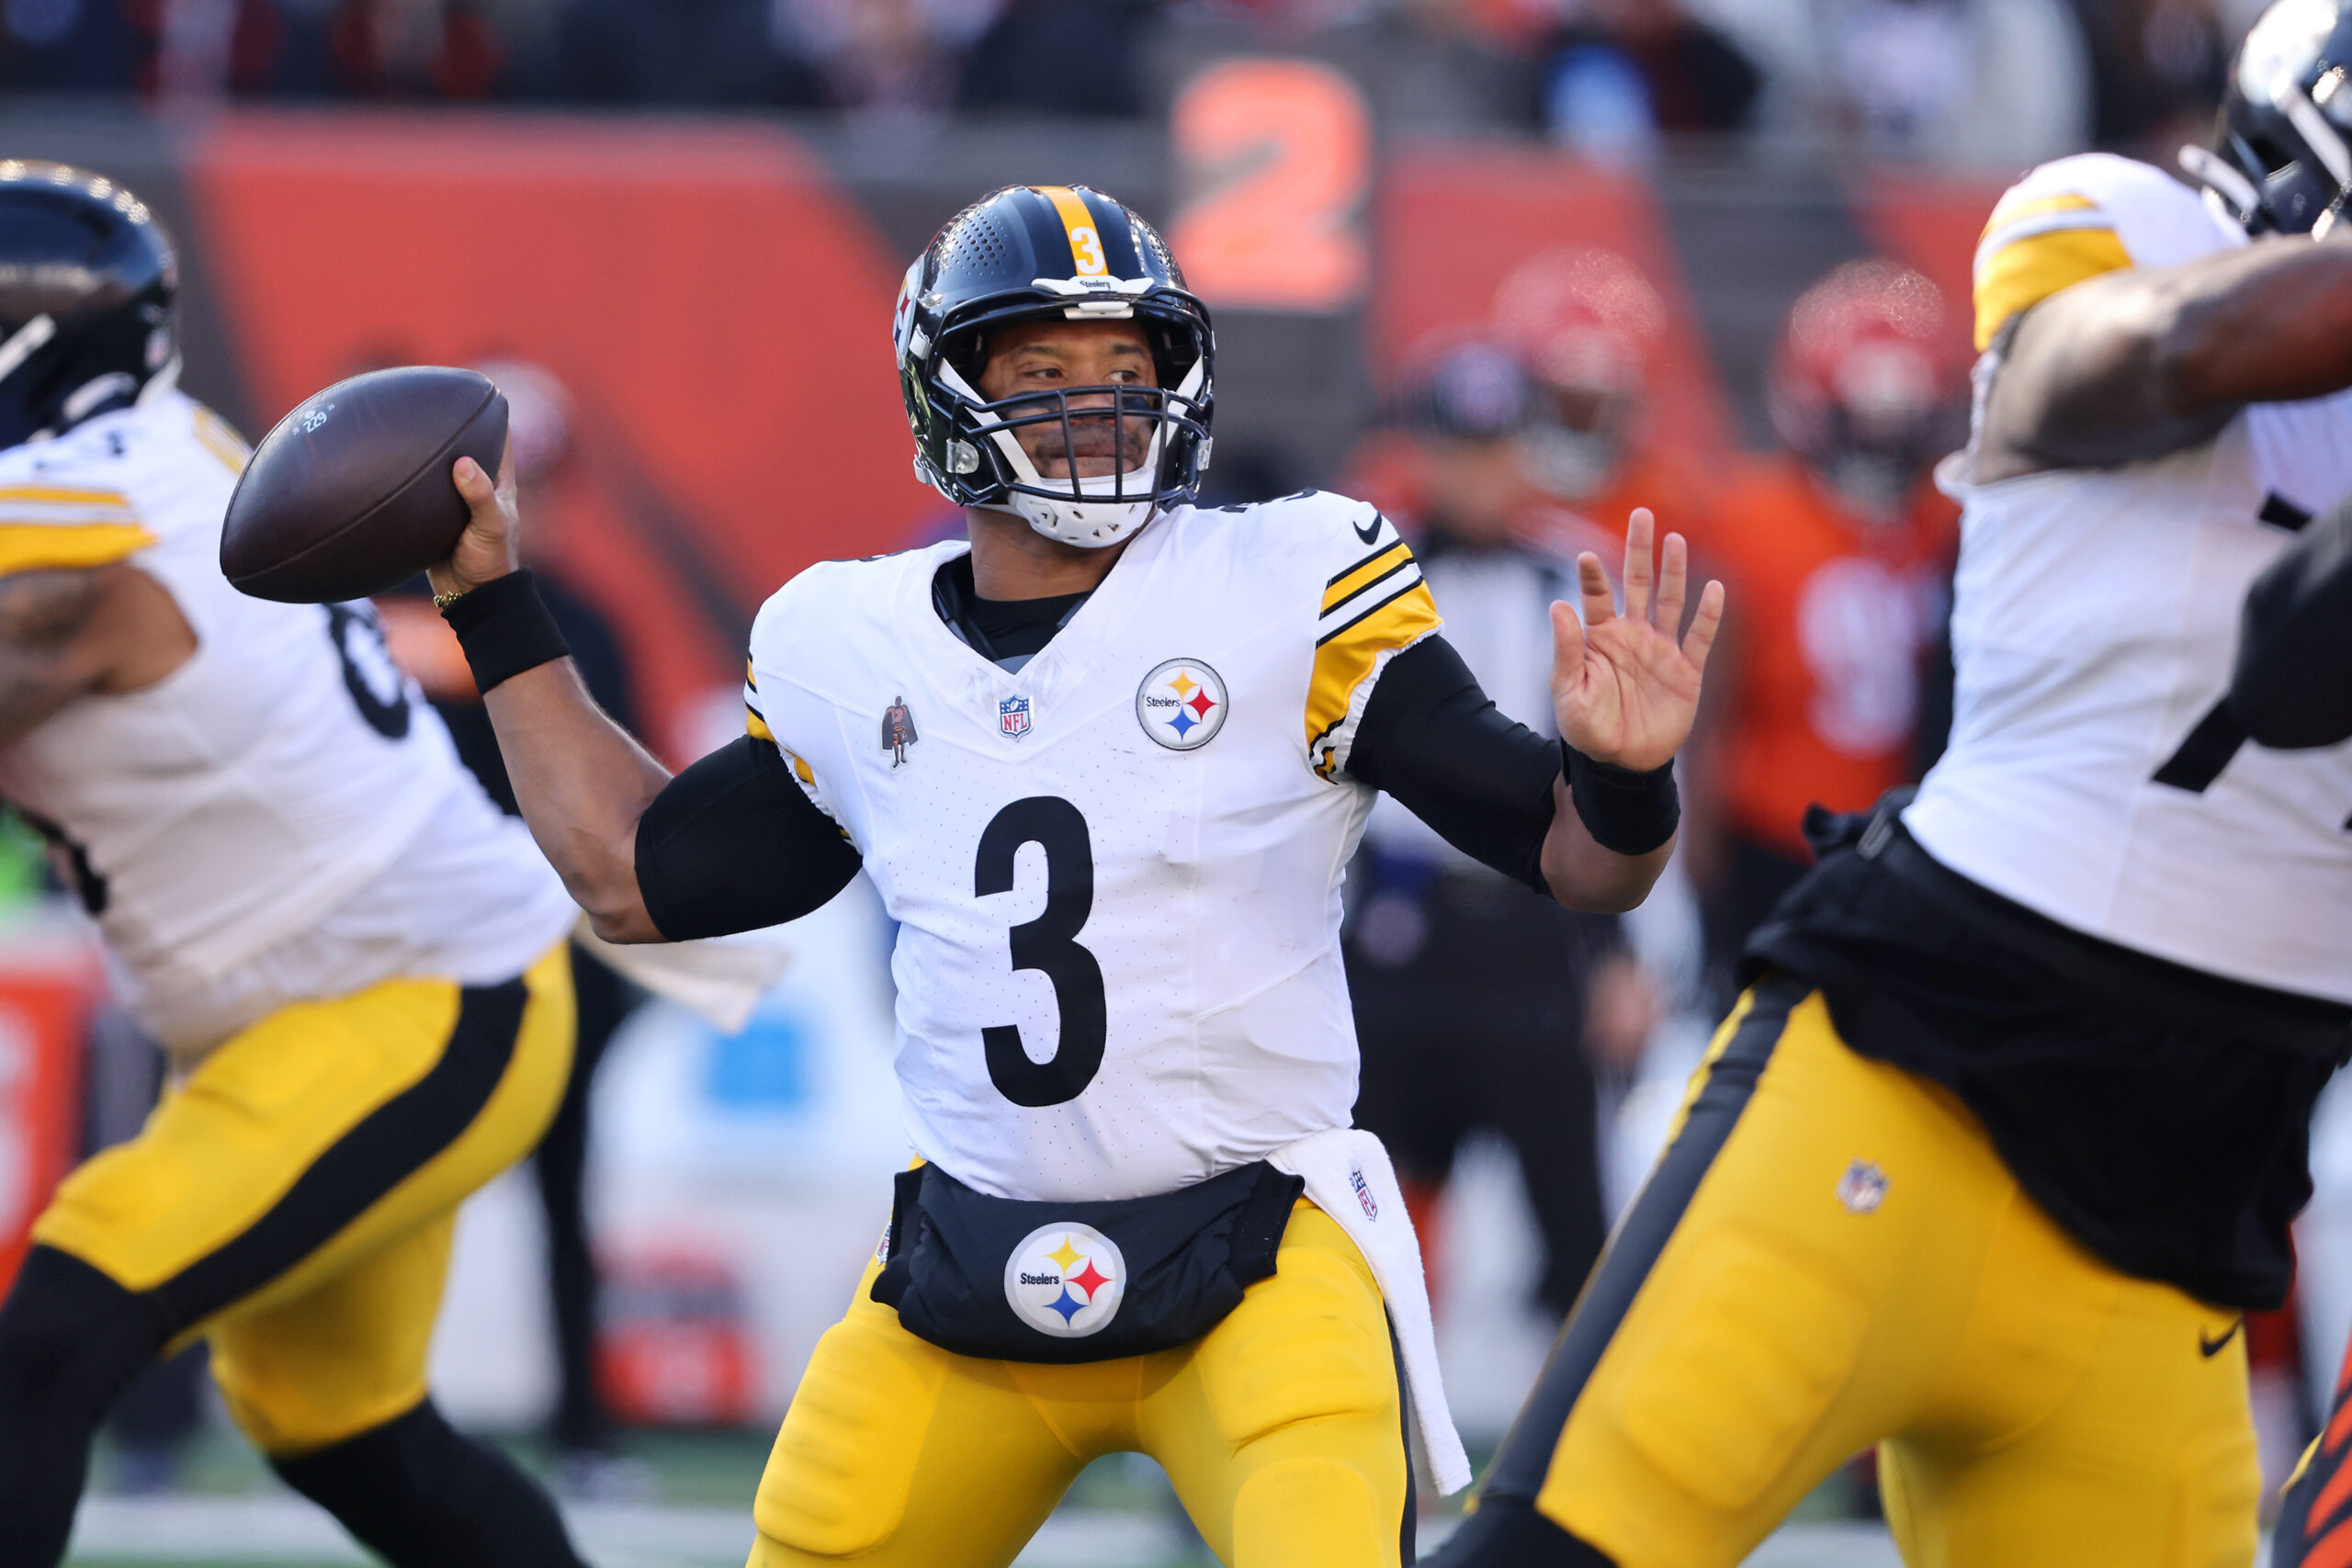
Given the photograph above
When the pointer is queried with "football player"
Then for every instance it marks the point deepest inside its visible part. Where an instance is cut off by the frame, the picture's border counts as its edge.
(356, 963)
(2006, 1132)
(1104, 763)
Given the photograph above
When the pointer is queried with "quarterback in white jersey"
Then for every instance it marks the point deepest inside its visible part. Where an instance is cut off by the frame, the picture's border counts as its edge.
(2005, 1135)
(1105, 765)
(355, 962)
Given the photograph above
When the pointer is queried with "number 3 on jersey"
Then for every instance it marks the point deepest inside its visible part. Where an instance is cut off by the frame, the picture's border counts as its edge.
(1048, 944)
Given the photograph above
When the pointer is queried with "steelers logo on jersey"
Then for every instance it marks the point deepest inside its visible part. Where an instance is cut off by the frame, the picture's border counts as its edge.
(1066, 1280)
(1181, 705)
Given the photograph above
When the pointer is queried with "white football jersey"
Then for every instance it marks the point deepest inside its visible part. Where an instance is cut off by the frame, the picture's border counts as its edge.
(2093, 775)
(1116, 873)
(280, 818)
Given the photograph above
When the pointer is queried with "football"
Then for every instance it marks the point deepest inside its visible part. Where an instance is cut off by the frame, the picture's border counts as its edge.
(350, 494)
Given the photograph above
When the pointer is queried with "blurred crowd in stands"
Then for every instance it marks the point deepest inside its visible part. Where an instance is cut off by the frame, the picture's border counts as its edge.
(1985, 82)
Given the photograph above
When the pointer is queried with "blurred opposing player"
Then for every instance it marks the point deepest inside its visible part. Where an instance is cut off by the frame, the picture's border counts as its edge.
(353, 961)
(1839, 546)
(1470, 996)
(1105, 766)
(1588, 328)
(2006, 1131)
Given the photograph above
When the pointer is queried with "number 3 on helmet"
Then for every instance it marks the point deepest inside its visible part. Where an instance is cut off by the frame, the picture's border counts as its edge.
(1030, 251)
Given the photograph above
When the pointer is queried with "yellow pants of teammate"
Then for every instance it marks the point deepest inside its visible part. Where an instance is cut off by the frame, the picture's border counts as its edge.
(1282, 1429)
(1831, 1255)
(293, 1201)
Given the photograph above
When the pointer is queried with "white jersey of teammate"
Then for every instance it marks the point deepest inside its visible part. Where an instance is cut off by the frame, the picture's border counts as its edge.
(2091, 775)
(1130, 852)
(280, 818)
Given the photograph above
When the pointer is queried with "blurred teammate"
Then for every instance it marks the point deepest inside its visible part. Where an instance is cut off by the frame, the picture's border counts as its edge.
(1839, 548)
(2006, 1132)
(1470, 996)
(1139, 743)
(355, 962)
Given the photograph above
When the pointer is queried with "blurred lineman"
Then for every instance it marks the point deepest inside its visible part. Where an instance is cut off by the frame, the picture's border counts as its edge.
(2006, 1132)
(1470, 996)
(1104, 767)
(355, 962)
(1839, 548)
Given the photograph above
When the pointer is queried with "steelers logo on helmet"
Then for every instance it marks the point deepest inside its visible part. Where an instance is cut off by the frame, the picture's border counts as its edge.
(1181, 705)
(1066, 1280)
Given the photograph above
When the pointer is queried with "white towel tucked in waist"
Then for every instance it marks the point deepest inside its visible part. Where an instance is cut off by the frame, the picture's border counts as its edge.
(1349, 1178)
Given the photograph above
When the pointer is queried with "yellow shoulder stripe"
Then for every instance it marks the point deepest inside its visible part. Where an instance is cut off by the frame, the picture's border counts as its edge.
(220, 438)
(2023, 274)
(1346, 657)
(64, 495)
(51, 546)
(1357, 578)
(2007, 211)
(757, 725)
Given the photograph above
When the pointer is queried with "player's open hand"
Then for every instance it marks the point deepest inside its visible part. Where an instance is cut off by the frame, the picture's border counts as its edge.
(489, 546)
(1624, 689)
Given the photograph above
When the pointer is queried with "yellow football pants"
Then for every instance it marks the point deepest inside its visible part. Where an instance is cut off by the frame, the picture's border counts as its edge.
(1282, 1429)
(1830, 1253)
(293, 1201)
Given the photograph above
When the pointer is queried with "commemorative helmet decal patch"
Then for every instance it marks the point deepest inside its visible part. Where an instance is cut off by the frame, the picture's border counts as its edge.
(898, 730)
(1066, 1280)
(1181, 705)
(1012, 718)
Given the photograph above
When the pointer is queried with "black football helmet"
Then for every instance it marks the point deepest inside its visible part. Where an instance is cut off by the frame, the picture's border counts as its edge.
(2280, 160)
(1027, 252)
(87, 285)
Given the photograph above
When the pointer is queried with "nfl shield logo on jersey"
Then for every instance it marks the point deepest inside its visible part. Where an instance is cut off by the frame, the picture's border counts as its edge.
(1012, 716)
(1066, 1280)
(1181, 705)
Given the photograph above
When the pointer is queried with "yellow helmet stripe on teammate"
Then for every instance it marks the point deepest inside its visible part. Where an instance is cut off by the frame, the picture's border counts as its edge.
(1085, 240)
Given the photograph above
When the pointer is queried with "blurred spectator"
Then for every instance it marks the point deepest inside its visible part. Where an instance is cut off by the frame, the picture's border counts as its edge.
(892, 56)
(412, 49)
(1059, 57)
(1621, 72)
(688, 52)
(1471, 994)
(2156, 71)
(1979, 82)
(1837, 552)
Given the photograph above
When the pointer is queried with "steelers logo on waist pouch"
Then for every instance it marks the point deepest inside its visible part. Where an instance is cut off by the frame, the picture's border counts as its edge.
(1181, 705)
(1066, 1280)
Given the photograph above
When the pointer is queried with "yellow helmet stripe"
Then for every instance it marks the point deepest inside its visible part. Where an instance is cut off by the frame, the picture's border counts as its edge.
(1085, 240)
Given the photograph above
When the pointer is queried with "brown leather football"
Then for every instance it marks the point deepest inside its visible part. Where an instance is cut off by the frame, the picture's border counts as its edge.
(351, 494)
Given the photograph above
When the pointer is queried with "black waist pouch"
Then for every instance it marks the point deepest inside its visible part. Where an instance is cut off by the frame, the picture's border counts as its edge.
(1011, 1279)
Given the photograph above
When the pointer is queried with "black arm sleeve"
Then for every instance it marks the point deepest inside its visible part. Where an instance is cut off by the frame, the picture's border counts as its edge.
(732, 844)
(2292, 686)
(1430, 738)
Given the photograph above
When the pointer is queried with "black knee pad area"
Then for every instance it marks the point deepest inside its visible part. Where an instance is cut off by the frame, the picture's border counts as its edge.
(423, 1494)
(71, 1341)
(1507, 1533)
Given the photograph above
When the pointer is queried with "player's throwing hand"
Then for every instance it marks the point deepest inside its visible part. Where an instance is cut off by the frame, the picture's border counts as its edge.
(488, 546)
(1624, 690)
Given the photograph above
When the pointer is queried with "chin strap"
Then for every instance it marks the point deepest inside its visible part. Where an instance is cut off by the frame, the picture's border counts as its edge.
(2223, 183)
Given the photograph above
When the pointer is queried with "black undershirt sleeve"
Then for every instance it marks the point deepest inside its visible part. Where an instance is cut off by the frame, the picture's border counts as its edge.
(2292, 686)
(1430, 738)
(731, 844)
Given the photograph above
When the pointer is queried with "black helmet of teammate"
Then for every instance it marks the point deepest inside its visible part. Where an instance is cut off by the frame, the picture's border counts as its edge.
(1027, 252)
(2280, 157)
(87, 280)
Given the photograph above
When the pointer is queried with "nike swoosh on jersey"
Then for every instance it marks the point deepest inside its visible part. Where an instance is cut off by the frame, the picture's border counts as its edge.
(2209, 1348)
(1369, 531)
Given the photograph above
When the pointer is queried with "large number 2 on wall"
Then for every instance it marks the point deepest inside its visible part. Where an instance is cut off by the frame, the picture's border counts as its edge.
(1048, 944)
(1274, 157)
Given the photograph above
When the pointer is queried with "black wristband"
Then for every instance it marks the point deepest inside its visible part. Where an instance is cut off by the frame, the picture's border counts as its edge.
(1625, 812)
(505, 628)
